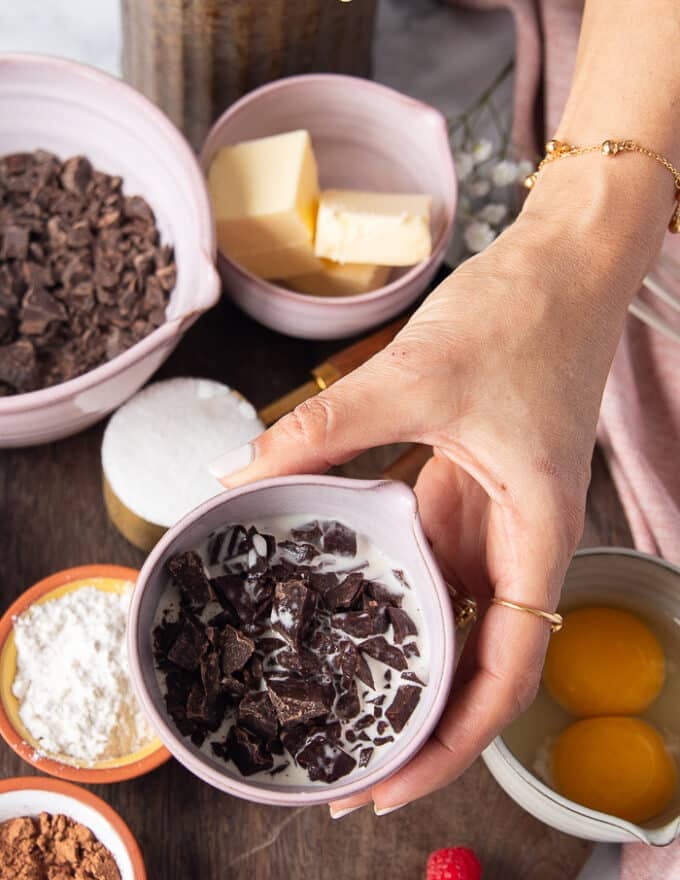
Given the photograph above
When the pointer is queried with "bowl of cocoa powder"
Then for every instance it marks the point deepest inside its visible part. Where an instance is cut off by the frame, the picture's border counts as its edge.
(50, 828)
(106, 245)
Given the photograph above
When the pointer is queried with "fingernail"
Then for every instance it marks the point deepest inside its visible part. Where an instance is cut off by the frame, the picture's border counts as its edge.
(338, 814)
(383, 811)
(232, 461)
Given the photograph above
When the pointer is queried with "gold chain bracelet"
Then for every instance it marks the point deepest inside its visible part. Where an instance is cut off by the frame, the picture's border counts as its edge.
(555, 149)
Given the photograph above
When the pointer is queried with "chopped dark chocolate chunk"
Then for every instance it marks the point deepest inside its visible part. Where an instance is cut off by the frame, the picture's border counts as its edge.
(348, 705)
(361, 623)
(402, 706)
(364, 673)
(203, 707)
(411, 650)
(236, 651)
(411, 676)
(339, 539)
(293, 611)
(382, 594)
(364, 721)
(234, 688)
(19, 365)
(309, 533)
(388, 675)
(402, 624)
(401, 577)
(215, 547)
(347, 662)
(324, 761)
(345, 593)
(189, 574)
(380, 649)
(256, 713)
(322, 581)
(75, 271)
(270, 644)
(305, 663)
(350, 736)
(365, 756)
(232, 596)
(382, 740)
(245, 750)
(279, 768)
(381, 726)
(188, 646)
(298, 552)
(298, 701)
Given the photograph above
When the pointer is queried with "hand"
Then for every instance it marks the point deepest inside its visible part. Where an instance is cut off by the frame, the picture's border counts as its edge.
(501, 370)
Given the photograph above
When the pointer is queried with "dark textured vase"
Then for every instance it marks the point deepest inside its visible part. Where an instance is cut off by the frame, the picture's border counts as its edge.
(195, 57)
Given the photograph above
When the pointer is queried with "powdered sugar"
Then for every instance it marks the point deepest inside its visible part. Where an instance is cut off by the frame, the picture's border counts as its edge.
(72, 680)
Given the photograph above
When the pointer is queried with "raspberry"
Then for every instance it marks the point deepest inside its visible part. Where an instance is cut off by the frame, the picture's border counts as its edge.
(454, 863)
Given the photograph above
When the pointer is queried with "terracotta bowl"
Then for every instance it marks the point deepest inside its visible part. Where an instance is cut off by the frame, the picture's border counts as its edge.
(386, 512)
(620, 578)
(365, 136)
(70, 109)
(32, 795)
(104, 577)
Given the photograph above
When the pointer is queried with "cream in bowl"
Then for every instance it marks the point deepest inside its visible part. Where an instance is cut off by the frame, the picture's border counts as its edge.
(291, 640)
(597, 753)
(293, 648)
(67, 704)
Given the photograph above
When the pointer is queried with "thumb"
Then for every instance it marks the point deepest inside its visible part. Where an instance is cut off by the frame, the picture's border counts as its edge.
(354, 414)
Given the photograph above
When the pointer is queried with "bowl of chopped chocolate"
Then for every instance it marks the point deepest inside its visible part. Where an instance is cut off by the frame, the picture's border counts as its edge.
(106, 245)
(292, 641)
(50, 828)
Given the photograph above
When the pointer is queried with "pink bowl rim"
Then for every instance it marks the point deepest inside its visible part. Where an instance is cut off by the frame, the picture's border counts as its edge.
(127, 96)
(175, 742)
(448, 175)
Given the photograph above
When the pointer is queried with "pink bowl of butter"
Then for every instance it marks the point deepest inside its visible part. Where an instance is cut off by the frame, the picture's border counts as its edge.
(365, 137)
(286, 741)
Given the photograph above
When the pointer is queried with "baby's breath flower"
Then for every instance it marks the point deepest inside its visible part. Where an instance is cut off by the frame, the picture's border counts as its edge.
(477, 188)
(482, 150)
(464, 205)
(464, 164)
(524, 168)
(478, 235)
(492, 213)
(504, 173)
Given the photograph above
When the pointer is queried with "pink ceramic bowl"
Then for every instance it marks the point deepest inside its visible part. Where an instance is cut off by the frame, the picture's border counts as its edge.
(69, 108)
(384, 511)
(365, 136)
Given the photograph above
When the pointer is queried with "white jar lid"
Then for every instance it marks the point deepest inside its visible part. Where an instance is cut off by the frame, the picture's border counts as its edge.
(157, 446)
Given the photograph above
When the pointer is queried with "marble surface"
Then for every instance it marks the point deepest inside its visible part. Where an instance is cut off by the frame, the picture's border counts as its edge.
(424, 48)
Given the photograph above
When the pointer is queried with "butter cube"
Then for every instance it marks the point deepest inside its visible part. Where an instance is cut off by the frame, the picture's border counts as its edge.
(379, 228)
(265, 194)
(341, 279)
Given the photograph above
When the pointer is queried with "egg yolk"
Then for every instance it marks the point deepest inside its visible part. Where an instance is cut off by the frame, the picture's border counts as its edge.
(604, 661)
(616, 765)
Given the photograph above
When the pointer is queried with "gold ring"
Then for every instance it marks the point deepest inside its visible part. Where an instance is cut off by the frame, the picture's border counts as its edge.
(554, 619)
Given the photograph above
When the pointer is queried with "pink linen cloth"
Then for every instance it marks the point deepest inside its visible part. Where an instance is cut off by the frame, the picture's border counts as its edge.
(639, 427)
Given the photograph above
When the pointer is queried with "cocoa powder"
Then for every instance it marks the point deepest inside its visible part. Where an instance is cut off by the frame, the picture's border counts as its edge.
(52, 847)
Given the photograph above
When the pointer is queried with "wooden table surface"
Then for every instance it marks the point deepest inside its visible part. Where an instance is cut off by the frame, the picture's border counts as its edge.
(52, 517)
